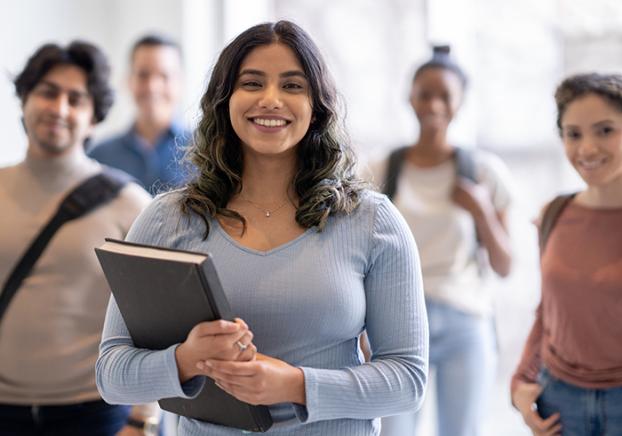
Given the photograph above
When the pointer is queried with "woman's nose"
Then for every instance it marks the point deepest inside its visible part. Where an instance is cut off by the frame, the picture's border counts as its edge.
(270, 98)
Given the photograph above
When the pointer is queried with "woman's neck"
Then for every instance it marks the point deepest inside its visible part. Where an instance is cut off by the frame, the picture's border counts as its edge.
(431, 149)
(607, 196)
(268, 181)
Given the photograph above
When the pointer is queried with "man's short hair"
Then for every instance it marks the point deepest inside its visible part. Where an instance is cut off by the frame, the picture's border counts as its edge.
(154, 40)
(80, 54)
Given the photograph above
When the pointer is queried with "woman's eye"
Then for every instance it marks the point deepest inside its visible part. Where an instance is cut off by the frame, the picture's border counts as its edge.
(251, 84)
(604, 131)
(573, 135)
(293, 86)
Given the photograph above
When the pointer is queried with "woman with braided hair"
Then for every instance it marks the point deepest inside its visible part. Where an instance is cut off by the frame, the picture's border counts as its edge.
(569, 380)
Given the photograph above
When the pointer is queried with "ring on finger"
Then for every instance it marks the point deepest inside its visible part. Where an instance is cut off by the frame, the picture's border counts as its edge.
(241, 346)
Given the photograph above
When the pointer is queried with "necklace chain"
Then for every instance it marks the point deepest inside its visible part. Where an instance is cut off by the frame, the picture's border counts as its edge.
(267, 212)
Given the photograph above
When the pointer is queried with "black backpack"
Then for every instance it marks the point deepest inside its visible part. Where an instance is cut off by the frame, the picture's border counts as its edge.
(465, 167)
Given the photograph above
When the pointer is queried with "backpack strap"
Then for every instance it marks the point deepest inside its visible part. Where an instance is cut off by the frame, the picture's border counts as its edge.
(465, 164)
(550, 215)
(465, 167)
(394, 167)
(93, 192)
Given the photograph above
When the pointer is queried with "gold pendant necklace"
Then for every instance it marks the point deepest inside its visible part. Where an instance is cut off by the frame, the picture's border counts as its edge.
(267, 212)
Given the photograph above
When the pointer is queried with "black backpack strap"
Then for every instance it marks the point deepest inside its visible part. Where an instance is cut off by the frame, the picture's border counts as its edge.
(93, 192)
(465, 167)
(550, 216)
(465, 164)
(394, 167)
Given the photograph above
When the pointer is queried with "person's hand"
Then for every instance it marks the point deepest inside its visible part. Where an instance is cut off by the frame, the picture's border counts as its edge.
(128, 430)
(473, 197)
(265, 380)
(214, 340)
(524, 398)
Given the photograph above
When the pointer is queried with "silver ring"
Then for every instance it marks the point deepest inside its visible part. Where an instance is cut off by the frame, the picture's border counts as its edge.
(241, 346)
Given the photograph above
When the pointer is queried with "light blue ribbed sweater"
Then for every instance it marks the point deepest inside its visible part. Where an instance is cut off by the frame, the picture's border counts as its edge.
(306, 303)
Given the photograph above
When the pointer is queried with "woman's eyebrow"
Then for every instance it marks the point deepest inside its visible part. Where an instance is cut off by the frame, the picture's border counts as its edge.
(292, 73)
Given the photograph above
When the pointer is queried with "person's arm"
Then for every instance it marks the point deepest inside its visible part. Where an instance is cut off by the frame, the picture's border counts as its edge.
(531, 361)
(129, 375)
(524, 387)
(491, 224)
(396, 323)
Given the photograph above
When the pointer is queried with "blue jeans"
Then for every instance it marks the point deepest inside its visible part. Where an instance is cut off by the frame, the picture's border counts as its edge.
(583, 412)
(463, 353)
(94, 418)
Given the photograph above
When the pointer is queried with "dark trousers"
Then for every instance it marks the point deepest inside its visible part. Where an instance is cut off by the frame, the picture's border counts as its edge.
(95, 418)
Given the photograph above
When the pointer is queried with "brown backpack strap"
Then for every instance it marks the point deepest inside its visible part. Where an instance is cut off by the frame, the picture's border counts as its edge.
(550, 216)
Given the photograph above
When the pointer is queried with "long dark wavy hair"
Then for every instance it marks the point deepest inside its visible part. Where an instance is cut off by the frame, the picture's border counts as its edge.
(325, 180)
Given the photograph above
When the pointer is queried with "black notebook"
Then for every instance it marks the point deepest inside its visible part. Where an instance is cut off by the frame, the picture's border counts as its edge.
(162, 294)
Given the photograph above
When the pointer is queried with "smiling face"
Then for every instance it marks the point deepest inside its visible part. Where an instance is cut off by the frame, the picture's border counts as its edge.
(155, 82)
(270, 108)
(592, 133)
(58, 112)
(435, 96)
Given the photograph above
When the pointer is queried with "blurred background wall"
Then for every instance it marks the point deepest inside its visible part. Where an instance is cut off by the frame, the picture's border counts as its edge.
(515, 53)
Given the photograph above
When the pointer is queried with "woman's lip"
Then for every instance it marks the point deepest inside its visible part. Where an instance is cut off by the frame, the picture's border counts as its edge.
(268, 117)
(267, 129)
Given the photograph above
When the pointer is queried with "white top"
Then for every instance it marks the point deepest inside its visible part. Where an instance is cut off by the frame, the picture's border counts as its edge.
(445, 233)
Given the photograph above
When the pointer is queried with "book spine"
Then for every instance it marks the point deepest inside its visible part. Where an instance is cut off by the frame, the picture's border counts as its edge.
(214, 292)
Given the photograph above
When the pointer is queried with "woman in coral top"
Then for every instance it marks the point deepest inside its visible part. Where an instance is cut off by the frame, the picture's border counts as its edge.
(569, 380)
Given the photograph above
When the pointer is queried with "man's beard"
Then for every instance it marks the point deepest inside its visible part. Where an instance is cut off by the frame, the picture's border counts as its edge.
(51, 145)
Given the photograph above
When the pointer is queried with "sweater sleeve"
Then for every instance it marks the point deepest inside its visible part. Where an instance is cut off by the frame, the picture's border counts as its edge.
(129, 375)
(396, 322)
(531, 360)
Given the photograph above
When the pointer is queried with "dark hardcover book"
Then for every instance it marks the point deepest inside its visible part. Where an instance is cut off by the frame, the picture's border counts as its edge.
(162, 294)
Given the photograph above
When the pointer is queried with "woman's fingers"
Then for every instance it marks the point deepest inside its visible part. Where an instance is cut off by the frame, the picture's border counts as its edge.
(219, 327)
(546, 427)
(248, 354)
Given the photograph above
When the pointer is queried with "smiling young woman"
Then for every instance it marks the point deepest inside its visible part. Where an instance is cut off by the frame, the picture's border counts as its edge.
(453, 219)
(307, 256)
(569, 379)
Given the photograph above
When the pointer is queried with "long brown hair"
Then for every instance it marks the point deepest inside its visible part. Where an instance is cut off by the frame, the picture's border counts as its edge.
(325, 180)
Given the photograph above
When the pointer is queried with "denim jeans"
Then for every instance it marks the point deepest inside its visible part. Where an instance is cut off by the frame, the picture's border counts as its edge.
(94, 418)
(463, 353)
(583, 412)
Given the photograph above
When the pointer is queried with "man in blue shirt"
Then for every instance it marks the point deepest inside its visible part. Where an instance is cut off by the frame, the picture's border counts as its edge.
(152, 149)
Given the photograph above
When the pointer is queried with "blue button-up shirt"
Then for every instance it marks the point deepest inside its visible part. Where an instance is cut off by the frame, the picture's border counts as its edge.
(158, 168)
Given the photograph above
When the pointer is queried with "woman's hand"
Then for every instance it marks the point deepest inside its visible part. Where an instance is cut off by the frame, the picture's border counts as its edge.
(490, 224)
(473, 197)
(130, 431)
(524, 398)
(214, 340)
(265, 380)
